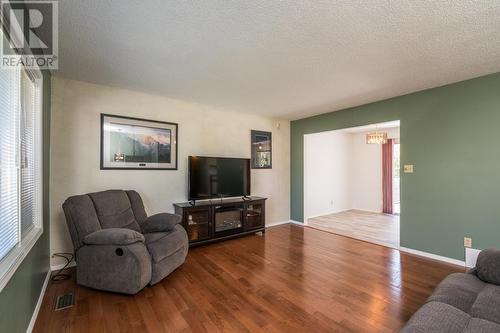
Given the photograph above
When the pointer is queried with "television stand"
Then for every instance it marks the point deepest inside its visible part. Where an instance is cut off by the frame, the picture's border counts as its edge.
(211, 221)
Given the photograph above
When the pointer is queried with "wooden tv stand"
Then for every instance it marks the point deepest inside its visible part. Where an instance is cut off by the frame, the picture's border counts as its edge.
(218, 219)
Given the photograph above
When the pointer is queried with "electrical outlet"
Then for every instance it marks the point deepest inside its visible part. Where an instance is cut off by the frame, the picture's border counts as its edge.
(467, 242)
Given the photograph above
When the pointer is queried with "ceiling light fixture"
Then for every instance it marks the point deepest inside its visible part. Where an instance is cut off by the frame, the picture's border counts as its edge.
(376, 137)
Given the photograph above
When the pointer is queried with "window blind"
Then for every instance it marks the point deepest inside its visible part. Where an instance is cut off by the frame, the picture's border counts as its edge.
(9, 158)
(20, 155)
(29, 160)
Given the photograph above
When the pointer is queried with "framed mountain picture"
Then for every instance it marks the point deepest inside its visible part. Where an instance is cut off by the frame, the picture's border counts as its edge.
(135, 144)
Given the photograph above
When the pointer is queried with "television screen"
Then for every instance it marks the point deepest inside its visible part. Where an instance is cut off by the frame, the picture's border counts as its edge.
(218, 177)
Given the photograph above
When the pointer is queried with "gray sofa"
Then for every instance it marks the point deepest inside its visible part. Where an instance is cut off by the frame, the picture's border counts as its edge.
(117, 246)
(463, 302)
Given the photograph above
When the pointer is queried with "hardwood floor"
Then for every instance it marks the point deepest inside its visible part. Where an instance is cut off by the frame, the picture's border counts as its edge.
(382, 229)
(292, 279)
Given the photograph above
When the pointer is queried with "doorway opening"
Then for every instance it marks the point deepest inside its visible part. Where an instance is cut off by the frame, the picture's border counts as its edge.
(352, 182)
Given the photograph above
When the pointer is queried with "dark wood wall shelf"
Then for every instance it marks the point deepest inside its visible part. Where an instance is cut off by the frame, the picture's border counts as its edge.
(214, 220)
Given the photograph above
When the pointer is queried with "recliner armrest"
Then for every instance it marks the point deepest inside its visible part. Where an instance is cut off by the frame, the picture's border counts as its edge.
(113, 236)
(160, 222)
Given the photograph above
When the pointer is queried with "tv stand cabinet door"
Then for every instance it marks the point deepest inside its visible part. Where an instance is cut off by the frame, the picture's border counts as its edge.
(197, 223)
(255, 215)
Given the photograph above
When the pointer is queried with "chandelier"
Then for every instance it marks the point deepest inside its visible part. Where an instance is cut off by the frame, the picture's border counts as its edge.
(376, 137)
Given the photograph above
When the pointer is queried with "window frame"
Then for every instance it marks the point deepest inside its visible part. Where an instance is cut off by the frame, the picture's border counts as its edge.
(11, 262)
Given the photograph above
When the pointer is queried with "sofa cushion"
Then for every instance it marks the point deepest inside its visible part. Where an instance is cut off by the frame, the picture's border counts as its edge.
(487, 304)
(481, 326)
(114, 210)
(488, 266)
(459, 290)
(137, 206)
(437, 317)
(457, 298)
(163, 244)
(81, 218)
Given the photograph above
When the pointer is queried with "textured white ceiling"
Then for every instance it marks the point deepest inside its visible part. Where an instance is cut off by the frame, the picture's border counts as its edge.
(278, 58)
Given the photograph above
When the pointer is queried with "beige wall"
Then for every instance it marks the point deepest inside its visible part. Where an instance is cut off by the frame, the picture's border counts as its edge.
(75, 139)
(327, 169)
(366, 175)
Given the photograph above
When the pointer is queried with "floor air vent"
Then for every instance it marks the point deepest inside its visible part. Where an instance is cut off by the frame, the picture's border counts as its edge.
(64, 301)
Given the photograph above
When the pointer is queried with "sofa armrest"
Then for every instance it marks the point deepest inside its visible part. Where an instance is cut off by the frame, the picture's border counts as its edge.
(160, 222)
(488, 266)
(113, 236)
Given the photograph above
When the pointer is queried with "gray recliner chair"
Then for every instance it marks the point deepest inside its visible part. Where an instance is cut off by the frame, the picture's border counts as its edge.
(117, 246)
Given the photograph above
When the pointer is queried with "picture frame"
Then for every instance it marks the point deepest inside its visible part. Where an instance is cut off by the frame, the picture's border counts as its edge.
(262, 154)
(129, 143)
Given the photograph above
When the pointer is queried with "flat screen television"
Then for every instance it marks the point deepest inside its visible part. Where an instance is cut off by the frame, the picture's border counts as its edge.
(218, 177)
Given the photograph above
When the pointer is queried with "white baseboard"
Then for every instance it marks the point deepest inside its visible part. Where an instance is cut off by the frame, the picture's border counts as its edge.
(273, 224)
(60, 266)
(433, 256)
(38, 303)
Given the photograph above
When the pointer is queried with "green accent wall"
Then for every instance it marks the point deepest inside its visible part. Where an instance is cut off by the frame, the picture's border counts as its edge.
(452, 136)
(19, 297)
